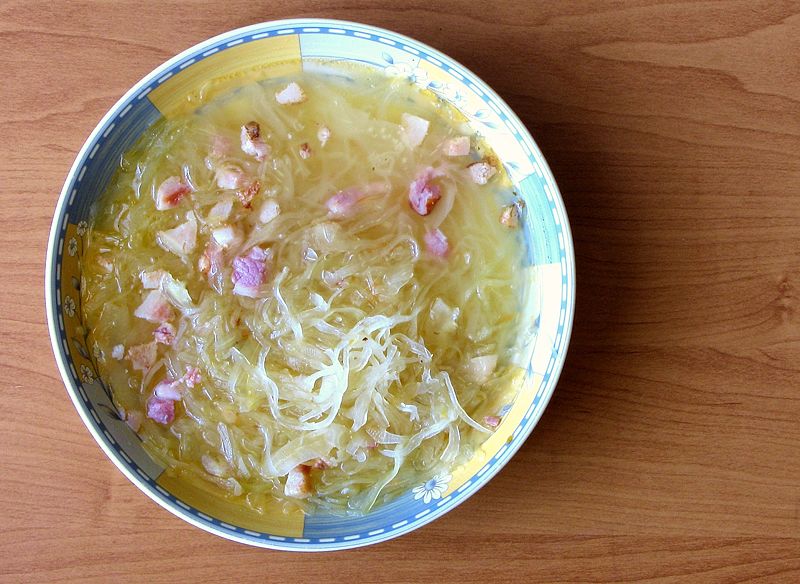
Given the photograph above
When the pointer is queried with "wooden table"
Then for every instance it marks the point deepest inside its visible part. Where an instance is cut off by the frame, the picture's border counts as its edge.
(671, 451)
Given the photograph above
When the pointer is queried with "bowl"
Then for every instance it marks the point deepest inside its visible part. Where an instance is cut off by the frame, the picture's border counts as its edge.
(276, 49)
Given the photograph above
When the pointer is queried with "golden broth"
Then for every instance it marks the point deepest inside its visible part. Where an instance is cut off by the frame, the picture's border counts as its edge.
(365, 357)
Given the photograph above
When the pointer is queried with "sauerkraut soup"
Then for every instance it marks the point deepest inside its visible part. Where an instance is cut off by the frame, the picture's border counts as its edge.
(307, 291)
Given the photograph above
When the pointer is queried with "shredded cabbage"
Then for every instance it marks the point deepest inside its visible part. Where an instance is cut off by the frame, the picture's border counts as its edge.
(363, 356)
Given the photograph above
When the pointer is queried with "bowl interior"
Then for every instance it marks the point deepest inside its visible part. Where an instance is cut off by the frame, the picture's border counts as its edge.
(279, 49)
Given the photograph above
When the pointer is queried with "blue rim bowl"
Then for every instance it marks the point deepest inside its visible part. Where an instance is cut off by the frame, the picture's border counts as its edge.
(281, 48)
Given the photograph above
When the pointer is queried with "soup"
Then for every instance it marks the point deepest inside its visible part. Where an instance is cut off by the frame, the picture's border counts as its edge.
(306, 291)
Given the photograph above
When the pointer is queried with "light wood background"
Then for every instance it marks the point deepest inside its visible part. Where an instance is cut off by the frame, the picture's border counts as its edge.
(671, 450)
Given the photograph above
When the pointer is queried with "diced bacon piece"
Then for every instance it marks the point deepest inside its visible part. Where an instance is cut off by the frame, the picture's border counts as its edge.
(211, 263)
(220, 212)
(170, 192)
(323, 135)
(204, 262)
(342, 203)
(481, 172)
(249, 272)
(251, 131)
(252, 143)
(105, 263)
(211, 260)
(230, 177)
(118, 352)
(269, 210)
(304, 151)
(436, 243)
(322, 236)
(154, 308)
(151, 279)
(227, 236)
(443, 316)
(492, 421)
(457, 146)
(290, 94)
(220, 146)
(168, 389)
(423, 194)
(480, 369)
(248, 192)
(160, 410)
(192, 377)
(143, 357)
(181, 239)
(415, 129)
(173, 389)
(164, 334)
(134, 419)
(510, 216)
(298, 482)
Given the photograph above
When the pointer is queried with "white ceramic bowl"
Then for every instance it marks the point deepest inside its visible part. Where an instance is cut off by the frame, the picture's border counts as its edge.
(279, 48)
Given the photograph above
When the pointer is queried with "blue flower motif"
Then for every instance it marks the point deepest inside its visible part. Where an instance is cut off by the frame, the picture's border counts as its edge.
(410, 72)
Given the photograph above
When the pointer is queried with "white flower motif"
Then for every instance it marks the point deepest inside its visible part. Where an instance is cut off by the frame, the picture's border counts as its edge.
(69, 306)
(414, 74)
(72, 246)
(82, 227)
(87, 375)
(432, 489)
(97, 352)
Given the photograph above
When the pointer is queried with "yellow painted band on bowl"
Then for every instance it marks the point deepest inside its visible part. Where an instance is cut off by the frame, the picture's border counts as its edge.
(224, 71)
(502, 435)
(275, 520)
(71, 301)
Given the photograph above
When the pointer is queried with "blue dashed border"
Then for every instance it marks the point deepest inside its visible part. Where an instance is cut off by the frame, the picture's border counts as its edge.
(415, 513)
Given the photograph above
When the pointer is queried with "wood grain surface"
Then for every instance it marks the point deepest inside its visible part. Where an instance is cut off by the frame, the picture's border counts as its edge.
(671, 450)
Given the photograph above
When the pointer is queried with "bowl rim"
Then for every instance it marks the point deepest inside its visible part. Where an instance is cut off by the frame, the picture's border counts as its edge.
(62, 359)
